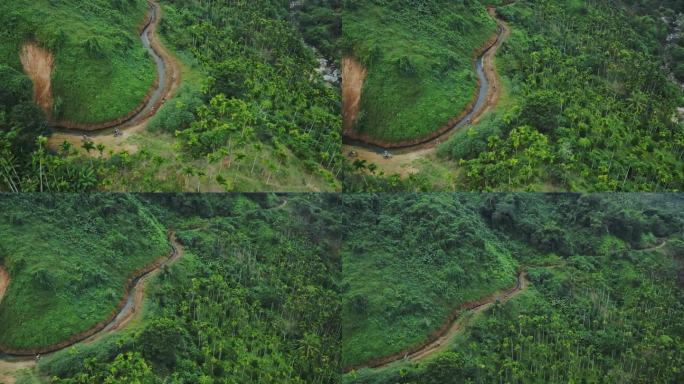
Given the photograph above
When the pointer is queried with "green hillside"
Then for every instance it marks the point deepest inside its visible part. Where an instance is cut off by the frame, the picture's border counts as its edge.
(253, 110)
(587, 105)
(407, 261)
(419, 57)
(101, 71)
(253, 299)
(606, 287)
(69, 257)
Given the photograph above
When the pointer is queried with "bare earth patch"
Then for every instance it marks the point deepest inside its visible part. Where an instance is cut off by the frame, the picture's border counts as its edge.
(353, 76)
(9, 369)
(4, 282)
(38, 64)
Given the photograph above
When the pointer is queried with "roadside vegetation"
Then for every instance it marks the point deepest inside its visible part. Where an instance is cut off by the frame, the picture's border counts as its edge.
(419, 57)
(101, 71)
(590, 108)
(253, 299)
(69, 258)
(408, 261)
(606, 280)
(252, 112)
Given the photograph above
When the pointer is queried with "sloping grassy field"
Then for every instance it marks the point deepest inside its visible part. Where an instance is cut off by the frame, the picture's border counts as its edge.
(69, 258)
(407, 265)
(419, 59)
(101, 70)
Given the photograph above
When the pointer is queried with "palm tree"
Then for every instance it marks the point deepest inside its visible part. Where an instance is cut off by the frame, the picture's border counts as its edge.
(65, 148)
(100, 148)
(188, 171)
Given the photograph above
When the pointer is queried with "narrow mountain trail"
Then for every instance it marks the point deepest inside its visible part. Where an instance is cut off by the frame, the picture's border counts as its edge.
(441, 343)
(655, 247)
(168, 80)
(487, 97)
(11, 364)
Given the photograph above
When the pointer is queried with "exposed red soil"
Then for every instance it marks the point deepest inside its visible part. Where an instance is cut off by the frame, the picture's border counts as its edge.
(353, 76)
(38, 64)
(4, 282)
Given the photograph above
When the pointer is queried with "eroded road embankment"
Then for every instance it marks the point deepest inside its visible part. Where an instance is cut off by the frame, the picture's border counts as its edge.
(168, 80)
(4, 282)
(11, 363)
(486, 98)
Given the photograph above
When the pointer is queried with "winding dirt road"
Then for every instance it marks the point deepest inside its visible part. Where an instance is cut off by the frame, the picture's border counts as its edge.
(487, 97)
(440, 340)
(10, 364)
(168, 80)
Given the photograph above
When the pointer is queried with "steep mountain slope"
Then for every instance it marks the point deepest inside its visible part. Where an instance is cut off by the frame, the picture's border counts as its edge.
(99, 70)
(605, 279)
(69, 258)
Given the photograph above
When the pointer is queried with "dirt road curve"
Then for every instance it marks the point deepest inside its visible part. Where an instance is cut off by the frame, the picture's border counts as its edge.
(439, 344)
(4, 282)
(11, 364)
(169, 78)
(442, 340)
(487, 97)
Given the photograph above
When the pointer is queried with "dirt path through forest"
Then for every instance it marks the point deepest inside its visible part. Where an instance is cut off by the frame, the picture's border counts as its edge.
(10, 365)
(169, 78)
(456, 326)
(441, 343)
(403, 158)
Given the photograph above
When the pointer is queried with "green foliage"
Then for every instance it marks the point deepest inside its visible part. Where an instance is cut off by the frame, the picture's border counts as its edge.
(179, 114)
(589, 315)
(254, 300)
(595, 107)
(101, 70)
(262, 88)
(321, 26)
(69, 257)
(419, 60)
(469, 144)
(407, 261)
